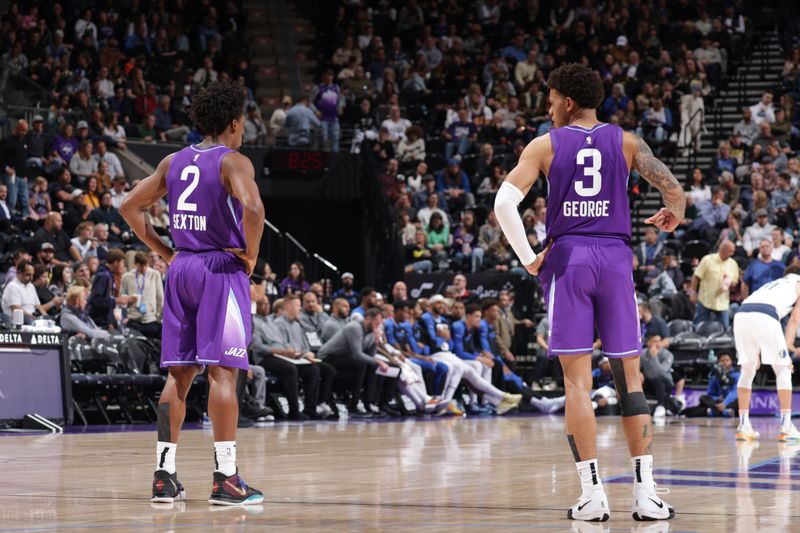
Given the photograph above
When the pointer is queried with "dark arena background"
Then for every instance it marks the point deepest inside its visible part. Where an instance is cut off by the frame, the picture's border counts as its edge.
(380, 132)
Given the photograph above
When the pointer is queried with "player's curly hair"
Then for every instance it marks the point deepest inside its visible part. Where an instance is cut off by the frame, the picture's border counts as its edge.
(580, 83)
(216, 106)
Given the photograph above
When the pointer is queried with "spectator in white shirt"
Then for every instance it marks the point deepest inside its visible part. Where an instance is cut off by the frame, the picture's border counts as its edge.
(84, 25)
(779, 248)
(5, 212)
(114, 165)
(764, 110)
(279, 117)
(118, 192)
(759, 231)
(21, 294)
(396, 125)
(84, 244)
(104, 86)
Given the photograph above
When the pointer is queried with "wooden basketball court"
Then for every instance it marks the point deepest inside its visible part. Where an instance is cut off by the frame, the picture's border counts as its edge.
(490, 474)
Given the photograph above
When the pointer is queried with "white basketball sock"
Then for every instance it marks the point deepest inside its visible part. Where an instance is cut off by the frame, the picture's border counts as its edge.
(786, 420)
(643, 470)
(744, 418)
(225, 457)
(589, 474)
(165, 456)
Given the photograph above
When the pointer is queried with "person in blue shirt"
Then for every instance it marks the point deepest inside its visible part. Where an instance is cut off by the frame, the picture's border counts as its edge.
(299, 120)
(452, 183)
(347, 292)
(466, 345)
(399, 333)
(368, 297)
(762, 270)
(434, 325)
(721, 397)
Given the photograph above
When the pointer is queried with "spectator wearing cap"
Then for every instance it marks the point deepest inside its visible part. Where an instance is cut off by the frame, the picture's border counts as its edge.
(114, 165)
(46, 256)
(83, 165)
(453, 183)
(762, 270)
(118, 192)
(38, 155)
(51, 232)
(14, 153)
(712, 282)
(762, 229)
(346, 291)
(460, 136)
(299, 120)
(368, 298)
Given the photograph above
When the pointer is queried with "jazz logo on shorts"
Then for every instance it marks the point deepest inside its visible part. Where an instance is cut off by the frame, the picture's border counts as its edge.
(236, 352)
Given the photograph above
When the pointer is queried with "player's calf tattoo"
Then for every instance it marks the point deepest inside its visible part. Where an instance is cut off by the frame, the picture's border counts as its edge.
(574, 448)
(164, 432)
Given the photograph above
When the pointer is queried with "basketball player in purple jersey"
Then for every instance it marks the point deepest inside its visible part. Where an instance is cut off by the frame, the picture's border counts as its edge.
(586, 271)
(216, 218)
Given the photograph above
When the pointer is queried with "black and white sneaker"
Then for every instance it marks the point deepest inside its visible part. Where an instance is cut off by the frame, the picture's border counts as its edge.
(232, 490)
(591, 508)
(647, 506)
(167, 488)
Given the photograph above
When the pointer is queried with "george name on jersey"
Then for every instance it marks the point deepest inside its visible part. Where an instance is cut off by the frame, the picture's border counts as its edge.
(586, 208)
(188, 222)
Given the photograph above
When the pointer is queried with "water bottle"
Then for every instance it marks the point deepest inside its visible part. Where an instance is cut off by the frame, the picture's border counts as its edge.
(712, 358)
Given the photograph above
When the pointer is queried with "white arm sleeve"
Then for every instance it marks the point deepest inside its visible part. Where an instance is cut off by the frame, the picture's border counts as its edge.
(505, 207)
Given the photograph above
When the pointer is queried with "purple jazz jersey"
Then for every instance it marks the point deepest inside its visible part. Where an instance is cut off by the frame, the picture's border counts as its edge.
(587, 276)
(207, 293)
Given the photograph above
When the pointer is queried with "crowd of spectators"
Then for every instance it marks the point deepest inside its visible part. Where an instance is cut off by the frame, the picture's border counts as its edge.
(447, 94)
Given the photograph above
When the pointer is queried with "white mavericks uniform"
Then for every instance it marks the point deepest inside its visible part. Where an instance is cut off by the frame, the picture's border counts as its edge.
(756, 325)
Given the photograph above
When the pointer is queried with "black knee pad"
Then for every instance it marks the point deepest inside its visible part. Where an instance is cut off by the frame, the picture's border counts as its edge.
(634, 404)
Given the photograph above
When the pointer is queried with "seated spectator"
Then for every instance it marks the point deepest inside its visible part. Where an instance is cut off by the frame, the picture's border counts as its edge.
(299, 120)
(699, 190)
(92, 192)
(759, 231)
(466, 252)
(431, 204)
(52, 233)
(109, 215)
(118, 192)
(460, 136)
(653, 325)
(781, 245)
(20, 293)
(395, 125)
(19, 255)
(60, 280)
(501, 258)
(783, 193)
(64, 145)
(145, 293)
(721, 397)
(295, 280)
(347, 291)
(747, 128)
(466, 345)
(61, 189)
(41, 279)
(83, 165)
(763, 110)
(345, 351)
(147, 129)
(453, 184)
(490, 232)
(725, 162)
(761, 270)
(656, 123)
(5, 212)
(649, 251)
(39, 201)
(616, 102)
(489, 186)
(712, 214)
(712, 282)
(84, 244)
(74, 319)
(418, 255)
(340, 312)
(278, 118)
(106, 286)
(656, 367)
(170, 129)
(255, 130)
(313, 319)
(411, 149)
(439, 240)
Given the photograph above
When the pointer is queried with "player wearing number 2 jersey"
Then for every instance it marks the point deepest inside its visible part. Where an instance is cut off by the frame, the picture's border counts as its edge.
(216, 219)
(586, 270)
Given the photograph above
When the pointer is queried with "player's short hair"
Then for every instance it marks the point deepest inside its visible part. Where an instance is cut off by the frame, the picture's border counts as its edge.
(472, 308)
(140, 258)
(216, 106)
(365, 292)
(578, 82)
(114, 255)
(372, 313)
(487, 303)
(289, 297)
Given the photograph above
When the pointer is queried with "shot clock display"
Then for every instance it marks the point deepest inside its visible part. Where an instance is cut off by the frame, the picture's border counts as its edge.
(303, 161)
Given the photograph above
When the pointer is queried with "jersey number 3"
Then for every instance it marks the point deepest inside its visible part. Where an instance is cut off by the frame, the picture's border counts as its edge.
(183, 204)
(591, 170)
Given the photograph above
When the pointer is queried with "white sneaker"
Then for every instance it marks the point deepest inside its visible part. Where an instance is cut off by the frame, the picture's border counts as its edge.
(591, 508)
(660, 412)
(744, 433)
(792, 435)
(648, 506)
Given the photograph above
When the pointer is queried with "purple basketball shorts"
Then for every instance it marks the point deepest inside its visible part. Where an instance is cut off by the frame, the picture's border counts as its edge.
(206, 311)
(588, 282)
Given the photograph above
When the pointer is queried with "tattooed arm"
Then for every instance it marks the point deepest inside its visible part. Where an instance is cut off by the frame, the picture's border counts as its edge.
(657, 174)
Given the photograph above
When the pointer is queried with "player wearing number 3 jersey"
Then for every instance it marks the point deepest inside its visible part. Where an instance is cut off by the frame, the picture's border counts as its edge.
(216, 220)
(586, 270)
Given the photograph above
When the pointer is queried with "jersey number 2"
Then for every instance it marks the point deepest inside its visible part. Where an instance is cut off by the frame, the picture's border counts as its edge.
(590, 171)
(194, 172)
